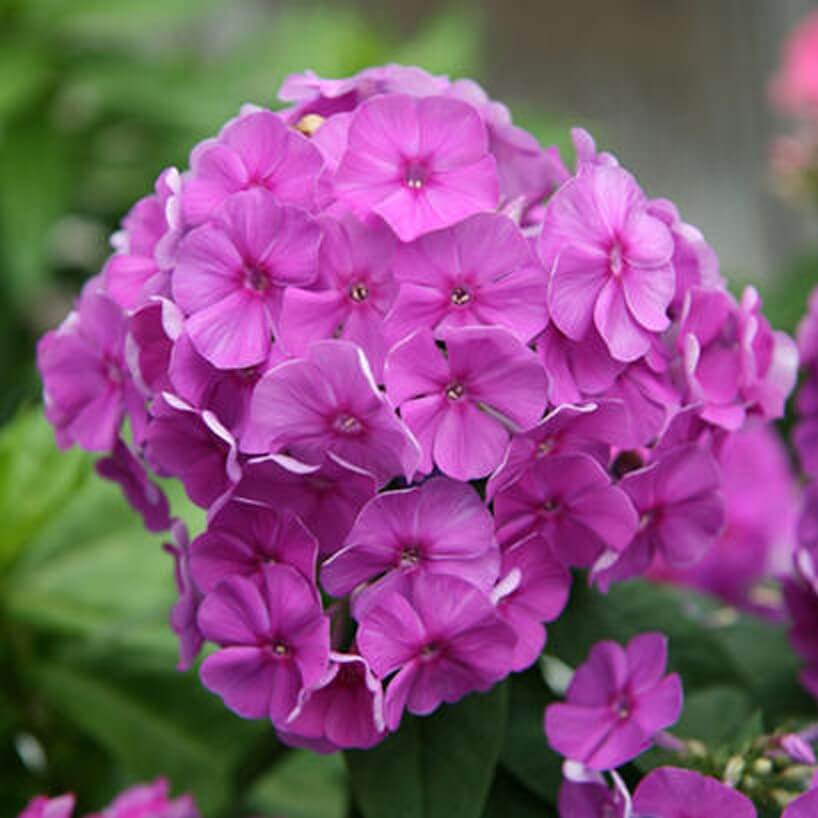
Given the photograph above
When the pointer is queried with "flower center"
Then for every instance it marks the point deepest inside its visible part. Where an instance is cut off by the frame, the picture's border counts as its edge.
(550, 505)
(415, 175)
(460, 296)
(454, 391)
(623, 706)
(615, 259)
(645, 520)
(546, 447)
(309, 124)
(280, 649)
(430, 651)
(409, 557)
(359, 292)
(347, 424)
(113, 372)
(256, 279)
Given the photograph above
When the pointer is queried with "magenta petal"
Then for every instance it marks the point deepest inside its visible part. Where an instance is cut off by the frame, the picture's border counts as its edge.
(235, 613)
(626, 339)
(243, 677)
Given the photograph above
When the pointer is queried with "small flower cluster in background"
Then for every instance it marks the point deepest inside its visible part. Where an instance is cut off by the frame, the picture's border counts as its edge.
(416, 370)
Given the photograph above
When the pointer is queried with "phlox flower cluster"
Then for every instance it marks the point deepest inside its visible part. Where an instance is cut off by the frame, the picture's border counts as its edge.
(416, 369)
(142, 801)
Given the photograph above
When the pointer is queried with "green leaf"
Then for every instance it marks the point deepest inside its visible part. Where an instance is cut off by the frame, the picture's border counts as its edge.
(441, 766)
(282, 792)
(509, 799)
(37, 481)
(714, 715)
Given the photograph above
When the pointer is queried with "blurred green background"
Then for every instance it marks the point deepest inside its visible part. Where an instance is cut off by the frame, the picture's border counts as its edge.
(96, 97)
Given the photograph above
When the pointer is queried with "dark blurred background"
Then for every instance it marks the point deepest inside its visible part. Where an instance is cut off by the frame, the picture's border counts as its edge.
(96, 97)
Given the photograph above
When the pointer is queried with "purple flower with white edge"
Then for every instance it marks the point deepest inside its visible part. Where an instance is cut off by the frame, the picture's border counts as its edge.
(585, 793)
(326, 497)
(444, 638)
(194, 446)
(463, 406)
(482, 271)
(231, 273)
(420, 164)
(274, 642)
(354, 291)
(533, 589)
(328, 402)
(186, 608)
(124, 468)
(570, 501)
(242, 537)
(669, 792)
(42, 807)
(254, 151)
(345, 709)
(681, 512)
(85, 383)
(610, 261)
(618, 700)
(441, 526)
(590, 428)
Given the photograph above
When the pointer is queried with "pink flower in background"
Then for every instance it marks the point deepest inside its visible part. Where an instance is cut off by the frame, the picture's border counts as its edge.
(439, 527)
(479, 272)
(329, 402)
(680, 508)
(42, 807)
(444, 638)
(618, 700)
(84, 378)
(354, 291)
(610, 262)
(274, 642)
(345, 709)
(669, 792)
(243, 537)
(795, 87)
(149, 801)
(256, 150)
(421, 164)
(231, 273)
(533, 589)
(465, 405)
(568, 499)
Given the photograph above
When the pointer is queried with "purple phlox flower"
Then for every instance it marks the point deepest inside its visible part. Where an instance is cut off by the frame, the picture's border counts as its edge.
(254, 150)
(576, 370)
(85, 383)
(124, 468)
(328, 401)
(194, 446)
(590, 428)
(759, 534)
(43, 807)
(694, 260)
(808, 522)
(570, 501)
(801, 599)
(355, 291)
(584, 793)
(441, 526)
(184, 612)
(479, 272)
(345, 709)
(420, 164)
(464, 405)
(133, 273)
(274, 642)
(797, 749)
(231, 273)
(669, 792)
(807, 332)
(152, 330)
(533, 589)
(805, 806)
(610, 262)
(225, 392)
(242, 537)
(805, 433)
(681, 512)
(326, 497)
(149, 801)
(445, 639)
(616, 703)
